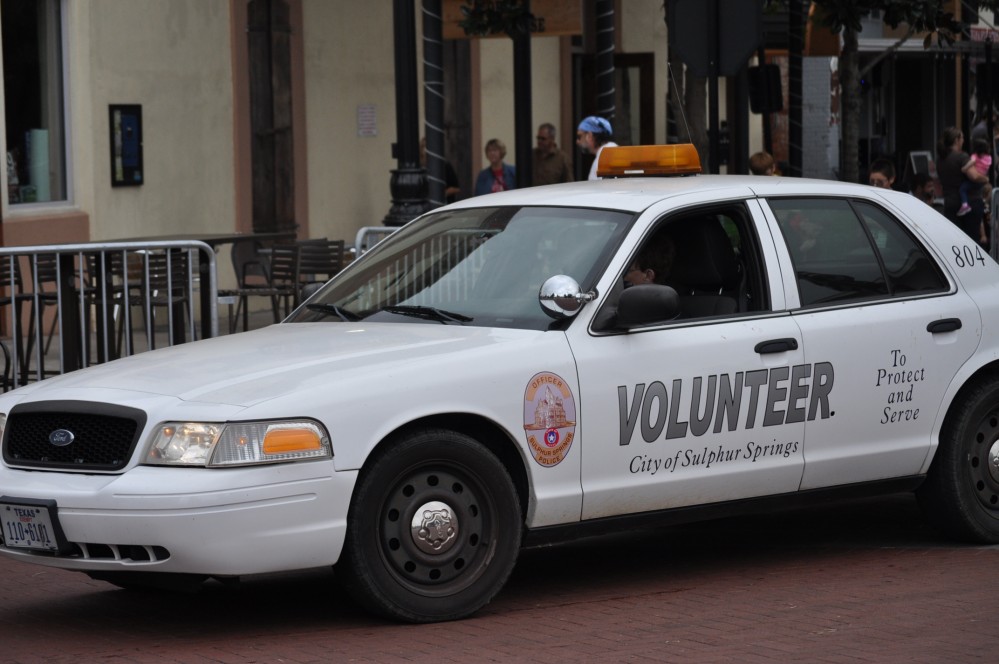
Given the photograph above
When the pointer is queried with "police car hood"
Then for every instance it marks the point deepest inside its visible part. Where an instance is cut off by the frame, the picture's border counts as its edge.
(246, 369)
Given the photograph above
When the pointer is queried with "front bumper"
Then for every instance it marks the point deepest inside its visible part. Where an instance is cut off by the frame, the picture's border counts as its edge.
(215, 522)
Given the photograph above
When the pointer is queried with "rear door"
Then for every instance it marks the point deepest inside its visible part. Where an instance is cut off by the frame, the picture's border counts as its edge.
(874, 303)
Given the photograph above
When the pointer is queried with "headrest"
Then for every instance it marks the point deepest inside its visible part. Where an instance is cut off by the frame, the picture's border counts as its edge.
(705, 259)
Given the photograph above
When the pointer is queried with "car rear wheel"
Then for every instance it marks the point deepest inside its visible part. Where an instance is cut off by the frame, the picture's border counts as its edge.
(434, 529)
(961, 493)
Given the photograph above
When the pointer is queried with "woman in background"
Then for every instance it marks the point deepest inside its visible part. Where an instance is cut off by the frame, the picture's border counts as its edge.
(955, 166)
(497, 176)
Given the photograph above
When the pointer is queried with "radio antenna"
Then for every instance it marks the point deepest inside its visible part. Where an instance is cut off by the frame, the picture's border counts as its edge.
(679, 102)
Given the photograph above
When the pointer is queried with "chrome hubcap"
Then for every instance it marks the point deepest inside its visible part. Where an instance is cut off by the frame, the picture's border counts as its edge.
(993, 461)
(434, 527)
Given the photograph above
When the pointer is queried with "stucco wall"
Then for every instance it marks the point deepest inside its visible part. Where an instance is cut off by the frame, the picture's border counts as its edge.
(174, 59)
(643, 30)
(496, 79)
(348, 64)
(497, 119)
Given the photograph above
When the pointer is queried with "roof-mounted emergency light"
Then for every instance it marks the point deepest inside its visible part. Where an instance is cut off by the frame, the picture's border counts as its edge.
(644, 160)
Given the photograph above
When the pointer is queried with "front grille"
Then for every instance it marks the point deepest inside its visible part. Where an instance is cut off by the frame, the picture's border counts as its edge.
(104, 437)
(130, 553)
(126, 553)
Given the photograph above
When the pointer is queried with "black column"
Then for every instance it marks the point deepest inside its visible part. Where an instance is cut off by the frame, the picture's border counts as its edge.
(796, 47)
(605, 60)
(433, 100)
(523, 125)
(987, 92)
(738, 160)
(714, 159)
(761, 57)
(408, 183)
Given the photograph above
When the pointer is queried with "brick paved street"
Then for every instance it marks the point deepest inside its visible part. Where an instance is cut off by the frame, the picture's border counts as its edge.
(862, 582)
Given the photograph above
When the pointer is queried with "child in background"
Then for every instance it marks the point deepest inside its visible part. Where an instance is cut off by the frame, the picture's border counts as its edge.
(981, 161)
(762, 163)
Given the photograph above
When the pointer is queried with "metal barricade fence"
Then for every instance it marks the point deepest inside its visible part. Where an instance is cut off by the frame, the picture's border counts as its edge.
(91, 300)
(449, 262)
(369, 236)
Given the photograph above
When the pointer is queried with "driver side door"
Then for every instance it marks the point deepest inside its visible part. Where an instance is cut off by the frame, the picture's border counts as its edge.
(708, 407)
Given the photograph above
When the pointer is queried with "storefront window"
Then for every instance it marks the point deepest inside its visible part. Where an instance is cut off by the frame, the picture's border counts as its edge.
(33, 91)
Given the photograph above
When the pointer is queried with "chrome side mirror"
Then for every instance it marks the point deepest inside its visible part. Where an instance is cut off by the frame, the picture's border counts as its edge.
(561, 297)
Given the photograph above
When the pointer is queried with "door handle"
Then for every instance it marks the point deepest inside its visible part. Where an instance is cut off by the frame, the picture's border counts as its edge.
(944, 325)
(776, 346)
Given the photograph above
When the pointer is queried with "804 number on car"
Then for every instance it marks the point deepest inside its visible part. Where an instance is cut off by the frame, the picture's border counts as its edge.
(967, 257)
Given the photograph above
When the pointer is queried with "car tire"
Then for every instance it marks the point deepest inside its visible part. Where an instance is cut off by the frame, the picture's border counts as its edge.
(961, 493)
(434, 528)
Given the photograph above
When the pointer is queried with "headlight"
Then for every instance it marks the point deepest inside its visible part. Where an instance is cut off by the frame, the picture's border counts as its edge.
(183, 443)
(237, 443)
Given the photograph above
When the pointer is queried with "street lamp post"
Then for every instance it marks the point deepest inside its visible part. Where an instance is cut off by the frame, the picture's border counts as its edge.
(433, 102)
(408, 183)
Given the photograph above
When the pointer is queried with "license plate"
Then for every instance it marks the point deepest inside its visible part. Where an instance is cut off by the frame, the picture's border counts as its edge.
(29, 524)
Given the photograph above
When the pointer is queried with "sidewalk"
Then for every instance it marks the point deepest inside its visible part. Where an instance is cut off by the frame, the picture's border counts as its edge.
(859, 582)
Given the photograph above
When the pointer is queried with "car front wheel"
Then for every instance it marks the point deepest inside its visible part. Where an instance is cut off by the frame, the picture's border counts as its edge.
(434, 528)
(961, 493)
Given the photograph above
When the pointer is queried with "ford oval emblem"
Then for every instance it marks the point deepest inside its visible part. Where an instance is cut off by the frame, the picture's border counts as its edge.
(61, 437)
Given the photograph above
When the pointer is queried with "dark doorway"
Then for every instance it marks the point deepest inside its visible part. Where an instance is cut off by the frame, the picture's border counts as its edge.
(271, 151)
(458, 148)
(913, 131)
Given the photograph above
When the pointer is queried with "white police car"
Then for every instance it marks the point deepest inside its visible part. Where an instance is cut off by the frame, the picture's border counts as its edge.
(428, 411)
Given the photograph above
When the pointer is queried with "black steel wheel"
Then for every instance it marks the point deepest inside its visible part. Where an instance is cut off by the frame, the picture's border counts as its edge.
(434, 528)
(961, 492)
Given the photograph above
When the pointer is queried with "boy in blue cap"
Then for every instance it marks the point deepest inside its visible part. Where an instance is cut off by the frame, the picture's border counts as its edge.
(592, 135)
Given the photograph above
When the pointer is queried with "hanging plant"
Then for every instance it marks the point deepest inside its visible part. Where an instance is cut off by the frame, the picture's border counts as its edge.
(493, 17)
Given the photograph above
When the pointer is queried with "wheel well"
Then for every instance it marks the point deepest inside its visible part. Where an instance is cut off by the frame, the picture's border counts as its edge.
(987, 372)
(481, 429)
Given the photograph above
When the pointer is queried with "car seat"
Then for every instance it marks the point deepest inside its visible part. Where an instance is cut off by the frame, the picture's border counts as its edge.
(706, 272)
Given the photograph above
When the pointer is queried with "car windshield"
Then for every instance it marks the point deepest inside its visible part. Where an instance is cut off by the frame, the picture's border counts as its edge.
(473, 266)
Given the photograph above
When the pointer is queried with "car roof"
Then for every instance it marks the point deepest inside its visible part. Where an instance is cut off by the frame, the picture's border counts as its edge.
(638, 193)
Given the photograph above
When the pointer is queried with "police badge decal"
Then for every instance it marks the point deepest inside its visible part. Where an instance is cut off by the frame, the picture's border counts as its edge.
(549, 418)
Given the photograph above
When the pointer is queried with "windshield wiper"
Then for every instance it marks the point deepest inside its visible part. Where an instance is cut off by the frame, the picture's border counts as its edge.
(428, 313)
(326, 308)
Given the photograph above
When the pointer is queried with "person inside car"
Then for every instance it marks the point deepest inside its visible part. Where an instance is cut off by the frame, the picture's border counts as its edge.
(653, 262)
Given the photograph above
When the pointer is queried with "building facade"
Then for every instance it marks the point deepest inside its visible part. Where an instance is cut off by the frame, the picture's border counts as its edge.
(179, 75)
(136, 118)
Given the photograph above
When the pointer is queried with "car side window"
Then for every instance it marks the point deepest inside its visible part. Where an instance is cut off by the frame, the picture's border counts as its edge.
(714, 265)
(847, 251)
(909, 268)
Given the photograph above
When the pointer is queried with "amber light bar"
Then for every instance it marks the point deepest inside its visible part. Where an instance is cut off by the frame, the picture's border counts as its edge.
(635, 160)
